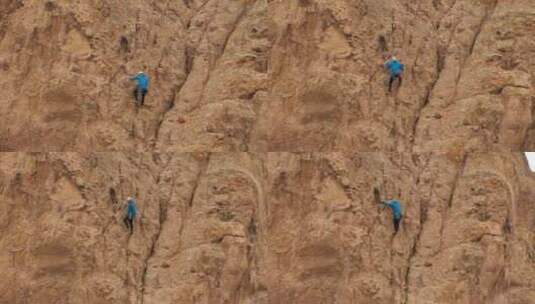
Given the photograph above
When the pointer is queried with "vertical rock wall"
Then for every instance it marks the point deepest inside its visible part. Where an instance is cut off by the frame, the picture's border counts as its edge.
(266, 128)
(243, 75)
(266, 228)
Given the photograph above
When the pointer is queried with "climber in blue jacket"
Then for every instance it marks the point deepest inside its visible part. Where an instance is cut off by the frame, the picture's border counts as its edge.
(395, 68)
(142, 86)
(131, 212)
(395, 206)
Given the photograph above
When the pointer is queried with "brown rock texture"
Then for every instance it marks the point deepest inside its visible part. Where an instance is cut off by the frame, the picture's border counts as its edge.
(266, 228)
(280, 75)
(266, 128)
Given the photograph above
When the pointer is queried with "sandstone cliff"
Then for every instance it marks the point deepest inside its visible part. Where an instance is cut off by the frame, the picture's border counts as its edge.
(266, 228)
(281, 75)
(267, 126)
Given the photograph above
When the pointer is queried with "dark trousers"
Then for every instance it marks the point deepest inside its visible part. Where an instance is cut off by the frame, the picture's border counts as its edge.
(140, 93)
(392, 78)
(129, 222)
(396, 224)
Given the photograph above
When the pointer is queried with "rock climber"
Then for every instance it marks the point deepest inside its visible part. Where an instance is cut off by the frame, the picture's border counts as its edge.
(131, 212)
(396, 212)
(142, 87)
(395, 68)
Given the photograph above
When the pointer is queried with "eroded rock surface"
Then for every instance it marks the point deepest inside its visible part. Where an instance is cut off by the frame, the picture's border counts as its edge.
(266, 228)
(266, 128)
(281, 75)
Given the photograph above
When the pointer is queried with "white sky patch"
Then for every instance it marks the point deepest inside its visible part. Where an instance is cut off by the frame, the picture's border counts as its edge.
(531, 160)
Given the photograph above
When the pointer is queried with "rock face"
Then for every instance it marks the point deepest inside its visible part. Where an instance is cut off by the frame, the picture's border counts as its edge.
(266, 228)
(280, 75)
(267, 127)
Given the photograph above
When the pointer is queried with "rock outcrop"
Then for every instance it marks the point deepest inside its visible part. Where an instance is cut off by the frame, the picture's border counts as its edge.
(266, 129)
(237, 75)
(266, 228)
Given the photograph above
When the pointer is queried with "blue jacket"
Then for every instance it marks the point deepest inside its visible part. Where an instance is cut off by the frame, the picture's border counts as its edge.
(131, 209)
(396, 208)
(394, 67)
(142, 81)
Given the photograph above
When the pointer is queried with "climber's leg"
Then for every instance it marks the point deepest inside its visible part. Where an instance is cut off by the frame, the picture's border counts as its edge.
(396, 224)
(135, 94)
(127, 222)
(143, 93)
(392, 78)
(131, 225)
